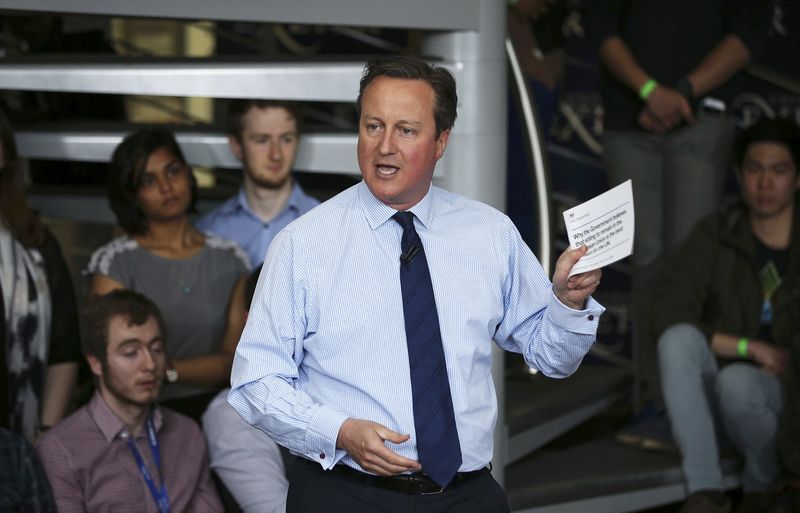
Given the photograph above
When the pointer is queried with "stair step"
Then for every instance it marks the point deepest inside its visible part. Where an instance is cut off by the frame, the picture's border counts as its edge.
(600, 475)
(539, 409)
(534, 399)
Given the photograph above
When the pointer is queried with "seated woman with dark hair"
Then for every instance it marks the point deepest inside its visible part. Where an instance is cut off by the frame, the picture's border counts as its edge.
(39, 349)
(188, 274)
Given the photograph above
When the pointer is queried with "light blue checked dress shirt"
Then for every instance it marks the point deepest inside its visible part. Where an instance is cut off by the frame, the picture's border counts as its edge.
(234, 220)
(325, 337)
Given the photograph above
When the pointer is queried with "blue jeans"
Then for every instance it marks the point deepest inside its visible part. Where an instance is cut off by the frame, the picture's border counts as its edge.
(700, 397)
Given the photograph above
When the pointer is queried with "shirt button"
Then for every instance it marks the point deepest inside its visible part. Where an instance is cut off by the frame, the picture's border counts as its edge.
(591, 317)
(322, 455)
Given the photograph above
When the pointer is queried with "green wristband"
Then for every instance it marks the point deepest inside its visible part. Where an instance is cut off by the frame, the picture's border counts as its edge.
(741, 347)
(647, 89)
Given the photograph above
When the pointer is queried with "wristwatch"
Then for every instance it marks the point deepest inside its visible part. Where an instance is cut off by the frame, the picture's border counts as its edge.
(684, 87)
(171, 374)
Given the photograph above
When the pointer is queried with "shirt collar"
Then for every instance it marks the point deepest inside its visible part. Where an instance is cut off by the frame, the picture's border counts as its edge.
(241, 201)
(109, 423)
(232, 205)
(378, 212)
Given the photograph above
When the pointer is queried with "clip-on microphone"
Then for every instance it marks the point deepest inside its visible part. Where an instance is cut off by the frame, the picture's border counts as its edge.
(409, 255)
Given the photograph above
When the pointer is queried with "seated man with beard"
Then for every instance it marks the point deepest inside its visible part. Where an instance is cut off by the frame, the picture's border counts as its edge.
(122, 452)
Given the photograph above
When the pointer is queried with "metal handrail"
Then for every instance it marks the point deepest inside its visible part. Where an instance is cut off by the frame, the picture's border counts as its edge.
(540, 168)
(773, 77)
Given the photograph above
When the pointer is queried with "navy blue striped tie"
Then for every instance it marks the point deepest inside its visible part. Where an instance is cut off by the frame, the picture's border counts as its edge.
(437, 438)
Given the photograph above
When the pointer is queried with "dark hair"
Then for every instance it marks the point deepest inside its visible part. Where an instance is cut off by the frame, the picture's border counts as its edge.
(250, 286)
(440, 79)
(99, 310)
(21, 220)
(126, 172)
(780, 131)
(237, 109)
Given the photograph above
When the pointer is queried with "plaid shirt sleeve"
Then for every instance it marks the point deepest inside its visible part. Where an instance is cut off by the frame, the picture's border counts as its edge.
(23, 483)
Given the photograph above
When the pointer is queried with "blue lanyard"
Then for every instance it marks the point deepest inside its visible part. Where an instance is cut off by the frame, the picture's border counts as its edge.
(159, 495)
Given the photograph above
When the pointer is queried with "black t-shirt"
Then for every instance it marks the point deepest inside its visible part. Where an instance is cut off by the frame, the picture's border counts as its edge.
(669, 38)
(64, 337)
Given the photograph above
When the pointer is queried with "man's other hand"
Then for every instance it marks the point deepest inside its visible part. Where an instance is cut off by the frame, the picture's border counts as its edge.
(769, 357)
(574, 290)
(668, 107)
(650, 122)
(364, 442)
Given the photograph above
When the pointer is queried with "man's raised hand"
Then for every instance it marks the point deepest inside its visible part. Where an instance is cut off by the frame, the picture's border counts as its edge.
(574, 290)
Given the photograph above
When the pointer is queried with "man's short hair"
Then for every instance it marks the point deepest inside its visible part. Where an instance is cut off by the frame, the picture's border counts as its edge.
(237, 109)
(780, 131)
(127, 170)
(99, 310)
(440, 79)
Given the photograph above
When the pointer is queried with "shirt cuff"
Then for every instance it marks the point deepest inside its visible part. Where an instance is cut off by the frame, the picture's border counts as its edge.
(323, 430)
(584, 321)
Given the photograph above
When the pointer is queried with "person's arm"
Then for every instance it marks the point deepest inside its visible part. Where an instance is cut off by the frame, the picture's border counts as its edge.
(683, 286)
(546, 68)
(102, 284)
(668, 107)
(267, 366)
(726, 59)
(553, 334)
(205, 498)
(247, 460)
(37, 496)
(268, 359)
(64, 344)
(747, 24)
(769, 357)
(619, 59)
(215, 369)
(531, 9)
(64, 478)
(59, 385)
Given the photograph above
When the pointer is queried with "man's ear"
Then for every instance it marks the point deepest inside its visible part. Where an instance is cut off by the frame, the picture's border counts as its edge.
(235, 146)
(96, 365)
(441, 143)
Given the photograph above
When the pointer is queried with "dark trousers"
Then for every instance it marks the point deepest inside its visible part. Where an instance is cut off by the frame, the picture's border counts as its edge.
(314, 490)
